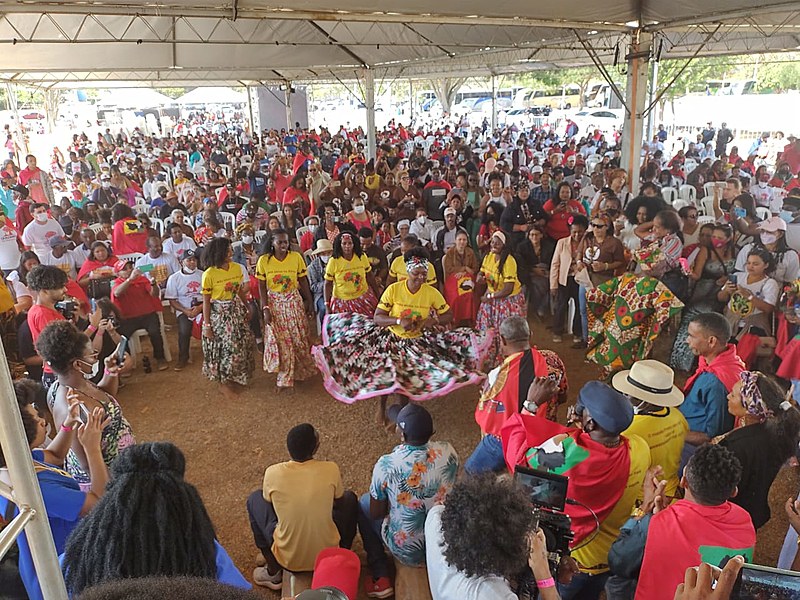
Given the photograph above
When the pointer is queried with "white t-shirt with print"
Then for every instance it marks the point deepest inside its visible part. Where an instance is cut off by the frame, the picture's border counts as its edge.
(36, 235)
(9, 248)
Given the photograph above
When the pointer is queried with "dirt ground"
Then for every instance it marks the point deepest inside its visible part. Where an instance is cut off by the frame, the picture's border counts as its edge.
(228, 444)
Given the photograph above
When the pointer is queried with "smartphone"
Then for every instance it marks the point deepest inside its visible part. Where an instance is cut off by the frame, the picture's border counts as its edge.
(93, 304)
(120, 351)
(739, 213)
(756, 581)
(83, 413)
(146, 268)
(336, 183)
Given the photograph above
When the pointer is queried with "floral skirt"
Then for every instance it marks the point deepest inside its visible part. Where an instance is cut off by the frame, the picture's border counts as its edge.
(365, 304)
(360, 360)
(290, 326)
(229, 355)
(491, 314)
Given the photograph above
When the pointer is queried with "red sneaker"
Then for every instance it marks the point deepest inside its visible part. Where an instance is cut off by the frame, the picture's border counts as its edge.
(379, 588)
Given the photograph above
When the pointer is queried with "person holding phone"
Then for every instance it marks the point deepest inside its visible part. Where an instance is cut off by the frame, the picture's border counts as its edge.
(71, 356)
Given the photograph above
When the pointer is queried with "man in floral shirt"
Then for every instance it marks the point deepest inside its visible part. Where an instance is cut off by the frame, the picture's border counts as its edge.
(406, 483)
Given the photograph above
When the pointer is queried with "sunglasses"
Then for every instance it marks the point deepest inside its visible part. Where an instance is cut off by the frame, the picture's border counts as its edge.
(598, 224)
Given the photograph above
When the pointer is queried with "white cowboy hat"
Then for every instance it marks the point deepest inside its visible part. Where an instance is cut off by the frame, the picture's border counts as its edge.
(650, 381)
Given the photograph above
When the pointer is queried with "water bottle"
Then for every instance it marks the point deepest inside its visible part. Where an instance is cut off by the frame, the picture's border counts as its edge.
(146, 364)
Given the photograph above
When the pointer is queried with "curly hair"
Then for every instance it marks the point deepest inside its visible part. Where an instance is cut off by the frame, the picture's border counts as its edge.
(652, 205)
(712, 474)
(175, 588)
(121, 211)
(485, 526)
(216, 251)
(46, 277)
(149, 522)
(59, 344)
(337, 245)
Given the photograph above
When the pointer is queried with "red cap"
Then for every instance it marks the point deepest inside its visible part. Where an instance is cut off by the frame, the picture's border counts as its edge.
(120, 265)
(339, 568)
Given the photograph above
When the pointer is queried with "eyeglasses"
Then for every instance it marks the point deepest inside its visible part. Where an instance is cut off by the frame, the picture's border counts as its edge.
(598, 224)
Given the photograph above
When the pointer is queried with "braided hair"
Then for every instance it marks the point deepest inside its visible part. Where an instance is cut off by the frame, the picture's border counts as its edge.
(149, 522)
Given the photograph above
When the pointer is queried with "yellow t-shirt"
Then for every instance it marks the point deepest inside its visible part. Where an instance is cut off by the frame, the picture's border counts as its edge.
(6, 299)
(398, 271)
(281, 275)
(664, 432)
(349, 277)
(399, 302)
(302, 494)
(495, 281)
(595, 553)
(222, 284)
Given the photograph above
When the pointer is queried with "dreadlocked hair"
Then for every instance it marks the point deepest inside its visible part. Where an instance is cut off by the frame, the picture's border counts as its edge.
(149, 522)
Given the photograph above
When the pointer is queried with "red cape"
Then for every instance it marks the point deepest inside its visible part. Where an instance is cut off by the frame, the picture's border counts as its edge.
(726, 366)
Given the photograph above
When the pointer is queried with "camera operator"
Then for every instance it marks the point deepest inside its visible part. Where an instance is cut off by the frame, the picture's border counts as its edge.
(50, 285)
(605, 470)
(482, 539)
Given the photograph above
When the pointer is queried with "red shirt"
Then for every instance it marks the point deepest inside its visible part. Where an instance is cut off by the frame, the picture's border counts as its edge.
(137, 300)
(38, 318)
(558, 224)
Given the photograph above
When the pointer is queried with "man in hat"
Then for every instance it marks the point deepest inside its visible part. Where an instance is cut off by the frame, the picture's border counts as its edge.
(106, 195)
(506, 391)
(649, 386)
(171, 203)
(316, 276)
(60, 256)
(605, 468)
(183, 292)
(406, 483)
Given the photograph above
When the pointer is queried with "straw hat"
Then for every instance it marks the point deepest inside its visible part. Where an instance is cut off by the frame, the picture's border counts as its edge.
(650, 381)
(323, 246)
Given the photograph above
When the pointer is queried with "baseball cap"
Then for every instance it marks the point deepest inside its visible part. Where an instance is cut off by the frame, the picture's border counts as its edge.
(105, 177)
(772, 225)
(6, 175)
(58, 240)
(537, 169)
(413, 420)
(190, 253)
(449, 211)
(121, 264)
(609, 408)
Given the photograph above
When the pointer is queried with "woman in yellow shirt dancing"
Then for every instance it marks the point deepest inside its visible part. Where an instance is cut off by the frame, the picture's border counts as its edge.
(350, 285)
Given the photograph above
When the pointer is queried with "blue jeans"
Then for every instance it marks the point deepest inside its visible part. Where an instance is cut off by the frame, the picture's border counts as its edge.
(487, 457)
(370, 530)
(584, 313)
(319, 305)
(584, 587)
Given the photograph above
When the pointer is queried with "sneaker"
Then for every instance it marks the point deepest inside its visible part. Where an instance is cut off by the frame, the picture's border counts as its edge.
(379, 588)
(557, 339)
(581, 345)
(162, 365)
(262, 577)
(180, 366)
(576, 339)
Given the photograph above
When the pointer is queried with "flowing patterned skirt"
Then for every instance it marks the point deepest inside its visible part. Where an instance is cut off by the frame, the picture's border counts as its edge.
(360, 360)
(290, 326)
(491, 314)
(365, 304)
(229, 355)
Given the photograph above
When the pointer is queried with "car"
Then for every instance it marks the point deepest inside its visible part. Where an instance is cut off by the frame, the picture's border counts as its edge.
(607, 120)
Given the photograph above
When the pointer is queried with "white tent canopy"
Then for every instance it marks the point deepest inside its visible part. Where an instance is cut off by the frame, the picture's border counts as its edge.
(212, 95)
(134, 98)
(245, 42)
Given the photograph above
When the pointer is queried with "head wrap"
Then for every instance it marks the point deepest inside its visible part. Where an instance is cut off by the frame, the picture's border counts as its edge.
(416, 262)
(751, 396)
(499, 234)
(403, 222)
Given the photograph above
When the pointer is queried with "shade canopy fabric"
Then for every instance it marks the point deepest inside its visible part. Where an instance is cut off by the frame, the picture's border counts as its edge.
(134, 98)
(242, 42)
(212, 95)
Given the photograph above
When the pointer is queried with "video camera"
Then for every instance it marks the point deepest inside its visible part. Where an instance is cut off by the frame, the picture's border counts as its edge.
(67, 308)
(548, 494)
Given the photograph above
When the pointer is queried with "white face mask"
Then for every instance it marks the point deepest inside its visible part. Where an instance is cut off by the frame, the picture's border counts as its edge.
(189, 271)
(762, 184)
(769, 238)
(325, 258)
(421, 220)
(359, 210)
(106, 185)
(41, 217)
(93, 373)
(312, 228)
(247, 240)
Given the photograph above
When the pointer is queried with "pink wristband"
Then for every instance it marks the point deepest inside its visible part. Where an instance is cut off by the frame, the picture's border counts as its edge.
(63, 428)
(109, 373)
(545, 583)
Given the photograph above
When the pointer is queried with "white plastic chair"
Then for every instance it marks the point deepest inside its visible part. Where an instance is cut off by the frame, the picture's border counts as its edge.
(228, 219)
(689, 165)
(133, 256)
(669, 194)
(763, 213)
(679, 204)
(260, 235)
(136, 342)
(707, 207)
(226, 170)
(96, 227)
(688, 193)
(705, 219)
(301, 231)
(708, 189)
(236, 245)
(157, 224)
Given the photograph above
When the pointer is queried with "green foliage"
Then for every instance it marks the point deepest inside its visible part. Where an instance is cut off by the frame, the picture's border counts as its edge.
(173, 92)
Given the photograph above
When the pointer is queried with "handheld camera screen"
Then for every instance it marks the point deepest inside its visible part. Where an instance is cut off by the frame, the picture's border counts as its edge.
(757, 582)
(546, 489)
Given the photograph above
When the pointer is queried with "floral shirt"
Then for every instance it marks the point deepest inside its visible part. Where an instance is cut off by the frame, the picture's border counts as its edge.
(413, 479)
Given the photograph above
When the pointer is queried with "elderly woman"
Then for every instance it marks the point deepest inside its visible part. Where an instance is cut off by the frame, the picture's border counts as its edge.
(286, 304)
(228, 345)
(70, 354)
(503, 297)
(460, 268)
(402, 349)
(350, 285)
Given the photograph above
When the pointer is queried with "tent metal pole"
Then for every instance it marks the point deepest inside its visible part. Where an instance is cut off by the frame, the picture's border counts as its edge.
(636, 96)
(411, 101)
(288, 103)
(253, 131)
(369, 102)
(651, 117)
(27, 495)
(494, 102)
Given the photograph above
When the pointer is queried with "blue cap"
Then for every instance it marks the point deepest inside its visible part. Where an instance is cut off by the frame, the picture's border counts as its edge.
(415, 422)
(609, 409)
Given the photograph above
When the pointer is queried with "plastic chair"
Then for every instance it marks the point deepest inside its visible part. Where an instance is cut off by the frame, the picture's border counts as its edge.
(96, 227)
(226, 170)
(133, 256)
(707, 206)
(300, 232)
(669, 194)
(260, 235)
(688, 193)
(689, 165)
(708, 189)
(157, 224)
(762, 212)
(136, 342)
(706, 219)
(228, 219)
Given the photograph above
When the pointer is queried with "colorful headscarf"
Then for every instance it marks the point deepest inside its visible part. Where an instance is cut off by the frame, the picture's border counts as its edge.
(751, 396)
(417, 262)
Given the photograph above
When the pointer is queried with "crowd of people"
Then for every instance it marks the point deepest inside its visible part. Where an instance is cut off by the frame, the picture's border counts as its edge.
(419, 272)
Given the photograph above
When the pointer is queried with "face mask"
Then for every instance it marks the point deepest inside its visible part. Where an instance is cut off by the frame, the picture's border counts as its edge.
(93, 373)
(359, 210)
(41, 217)
(718, 243)
(106, 185)
(189, 271)
(324, 259)
(421, 220)
(312, 228)
(247, 240)
(460, 157)
(787, 216)
(769, 238)
(762, 184)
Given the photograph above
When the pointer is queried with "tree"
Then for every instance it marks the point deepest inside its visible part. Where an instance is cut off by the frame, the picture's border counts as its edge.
(52, 100)
(446, 89)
